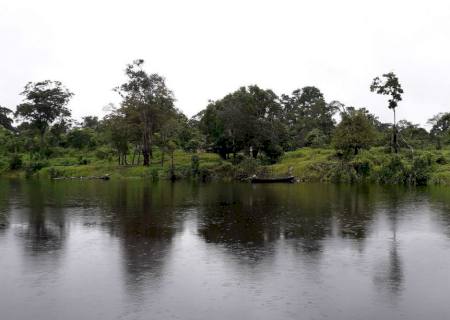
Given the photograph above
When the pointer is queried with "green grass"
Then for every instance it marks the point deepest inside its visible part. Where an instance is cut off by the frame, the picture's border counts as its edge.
(182, 162)
(312, 165)
(307, 164)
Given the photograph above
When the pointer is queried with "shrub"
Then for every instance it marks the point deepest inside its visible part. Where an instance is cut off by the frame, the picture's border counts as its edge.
(33, 167)
(315, 138)
(205, 174)
(82, 161)
(362, 167)
(195, 165)
(420, 170)
(155, 174)
(354, 132)
(273, 153)
(342, 173)
(238, 158)
(225, 169)
(15, 162)
(54, 173)
(441, 159)
(103, 153)
(393, 172)
(247, 168)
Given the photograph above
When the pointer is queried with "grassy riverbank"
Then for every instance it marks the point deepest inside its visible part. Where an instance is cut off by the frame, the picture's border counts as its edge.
(307, 164)
(375, 165)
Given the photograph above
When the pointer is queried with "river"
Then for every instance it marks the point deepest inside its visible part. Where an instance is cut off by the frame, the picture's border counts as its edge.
(138, 250)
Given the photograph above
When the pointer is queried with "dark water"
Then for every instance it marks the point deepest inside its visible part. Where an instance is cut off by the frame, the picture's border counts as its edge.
(133, 250)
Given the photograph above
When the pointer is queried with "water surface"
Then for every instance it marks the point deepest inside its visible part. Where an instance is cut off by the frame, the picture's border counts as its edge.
(137, 250)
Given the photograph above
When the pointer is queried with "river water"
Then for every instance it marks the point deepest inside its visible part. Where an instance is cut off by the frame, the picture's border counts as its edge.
(137, 250)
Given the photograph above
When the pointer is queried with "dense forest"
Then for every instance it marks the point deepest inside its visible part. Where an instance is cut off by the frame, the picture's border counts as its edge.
(251, 131)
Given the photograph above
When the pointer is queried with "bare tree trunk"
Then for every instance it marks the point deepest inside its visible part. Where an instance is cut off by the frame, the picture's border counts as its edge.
(41, 151)
(172, 168)
(146, 156)
(394, 135)
(134, 155)
(146, 136)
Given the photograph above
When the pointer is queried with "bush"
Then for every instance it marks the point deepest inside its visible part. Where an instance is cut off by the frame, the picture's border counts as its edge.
(54, 173)
(273, 153)
(315, 138)
(205, 174)
(15, 162)
(82, 161)
(420, 170)
(393, 172)
(33, 167)
(247, 168)
(441, 160)
(237, 159)
(339, 173)
(195, 165)
(362, 167)
(224, 170)
(155, 174)
(103, 153)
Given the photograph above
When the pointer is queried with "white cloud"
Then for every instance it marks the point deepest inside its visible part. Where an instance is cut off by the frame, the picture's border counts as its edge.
(206, 49)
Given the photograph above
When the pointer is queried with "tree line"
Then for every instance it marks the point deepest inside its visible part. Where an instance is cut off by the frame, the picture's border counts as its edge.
(249, 122)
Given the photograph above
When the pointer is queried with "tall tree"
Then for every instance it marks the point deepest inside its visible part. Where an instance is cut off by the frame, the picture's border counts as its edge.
(354, 132)
(248, 120)
(117, 130)
(440, 128)
(389, 85)
(305, 110)
(44, 103)
(148, 96)
(91, 122)
(5, 120)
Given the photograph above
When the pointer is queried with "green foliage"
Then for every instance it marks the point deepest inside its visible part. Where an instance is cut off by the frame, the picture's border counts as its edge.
(354, 132)
(195, 165)
(81, 138)
(155, 174)
(34, 166)
(5, 118)
(440, 159)
(316, 138)
(15, 162)
(420, 170)
(389, 85)
(305, 110)
(393, 172)
(147, 106)
(247, 168)
(54, 172)
(251, 131)
(44, 103)
(273, 152)
(247, 119)
(205, 174)
(440, 132)
(104, 153)
(362, 167)
(82, 161)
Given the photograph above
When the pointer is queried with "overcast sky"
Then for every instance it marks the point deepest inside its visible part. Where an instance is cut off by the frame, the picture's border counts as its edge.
(206, 49)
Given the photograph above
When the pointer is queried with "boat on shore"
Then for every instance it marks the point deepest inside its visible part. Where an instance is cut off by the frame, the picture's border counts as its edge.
(289, 179)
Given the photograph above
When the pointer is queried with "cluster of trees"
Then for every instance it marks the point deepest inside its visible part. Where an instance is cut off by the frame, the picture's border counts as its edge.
(256, 121)
(251, 121)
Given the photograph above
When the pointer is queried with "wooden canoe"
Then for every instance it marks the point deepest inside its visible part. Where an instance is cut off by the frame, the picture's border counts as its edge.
(289, 179)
